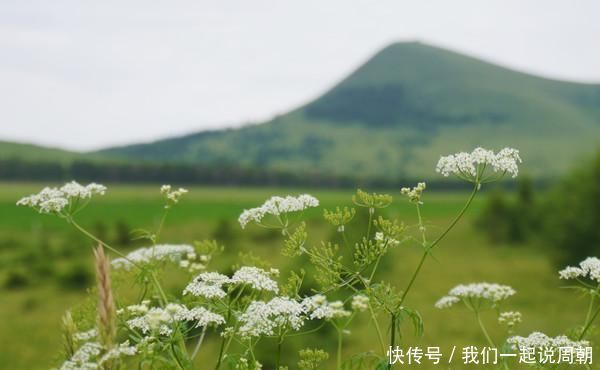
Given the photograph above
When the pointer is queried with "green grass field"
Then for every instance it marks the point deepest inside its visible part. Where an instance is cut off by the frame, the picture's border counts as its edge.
(43, 251)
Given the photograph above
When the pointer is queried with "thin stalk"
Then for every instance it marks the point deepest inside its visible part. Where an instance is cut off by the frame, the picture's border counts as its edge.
(589, 323)
(199, 344)
(279, 346)
(221, 353)
(392, 336)
(436, 242)
(377, 329)
(174, 355)
(371, 213)
(107, 246)
(484, 330)
(339, 350)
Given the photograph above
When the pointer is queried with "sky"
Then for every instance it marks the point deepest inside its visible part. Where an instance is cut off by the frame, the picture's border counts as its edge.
(84, 75)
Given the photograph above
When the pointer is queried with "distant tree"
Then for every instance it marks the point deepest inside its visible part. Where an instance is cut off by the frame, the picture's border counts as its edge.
(572, 214)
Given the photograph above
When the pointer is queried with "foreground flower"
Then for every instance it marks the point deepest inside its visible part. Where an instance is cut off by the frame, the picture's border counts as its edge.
(55, 200)
(475, 165)
(588, 268)
(90, 356)
(539, 340)
(472, 293)
(277, 206)
(255, 277)
(161, 252)
(208, 285)
(159, 320)
(319, 308)
(211, 284)
(262, 318)
(171, 195)
(510, 318)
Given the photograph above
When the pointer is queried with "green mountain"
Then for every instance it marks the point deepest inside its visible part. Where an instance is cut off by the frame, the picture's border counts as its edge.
(30, 152)
(398, 112)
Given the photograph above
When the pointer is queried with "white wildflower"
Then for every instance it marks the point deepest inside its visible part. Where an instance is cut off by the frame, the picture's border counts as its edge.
(85, 336)
(319, 308)
(84, 357)
(510, 318)
(468, 165)
(539, 340)
(208, 285)
(446, 301)
(172, 196)
(493, 293)
(257, 278)
(414, 194)
(590, 268)
(360, 302)
(54, 200)
(159, 252)
(262, 318)
(123, 349)
(276, 206)
(382, 238)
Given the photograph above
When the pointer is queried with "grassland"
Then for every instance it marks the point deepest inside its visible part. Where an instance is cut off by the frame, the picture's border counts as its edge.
(45, 250)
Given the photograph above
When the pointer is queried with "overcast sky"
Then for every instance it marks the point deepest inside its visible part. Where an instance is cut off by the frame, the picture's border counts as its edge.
(84, 75)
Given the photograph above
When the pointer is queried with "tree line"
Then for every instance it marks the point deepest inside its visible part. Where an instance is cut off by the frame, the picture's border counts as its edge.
(15, 169)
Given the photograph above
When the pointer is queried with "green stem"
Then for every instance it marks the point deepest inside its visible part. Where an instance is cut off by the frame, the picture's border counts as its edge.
(174, 355)
(377, 329)
(279, 346)
(199, 344)
(107, 246)
(589, 323)
(392, 335)
(371, 212)
(339, 350)
(220, 353)
(436, 242)
(484, 330)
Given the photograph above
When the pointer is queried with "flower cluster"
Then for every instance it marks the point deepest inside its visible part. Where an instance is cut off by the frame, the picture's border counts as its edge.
(172, 196)
(510, 318)
(161, 252)
(210, 284)
(493, 293)
(590, 268)
(255, 277)
(277, 206)
(318, 307)
(360, 302)
(384, 239)
(542, 341)
(88, 356)
(55, 200)
(470, 166)
(158, 320)
(262, 318)
(414, 194)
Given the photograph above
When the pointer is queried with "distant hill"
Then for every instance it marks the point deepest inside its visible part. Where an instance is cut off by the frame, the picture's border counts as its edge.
(30, 152)
(397, 113)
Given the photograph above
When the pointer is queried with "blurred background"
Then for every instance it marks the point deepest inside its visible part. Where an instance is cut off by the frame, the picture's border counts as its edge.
(239, 101)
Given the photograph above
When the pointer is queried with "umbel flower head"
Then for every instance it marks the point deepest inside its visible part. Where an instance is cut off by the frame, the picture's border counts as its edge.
(537, 340)
(210, 284)
(64, 199)
(277, 206)
(161, 252)
(588, 268)
(262, 318)
(481, 165)
(473, 294)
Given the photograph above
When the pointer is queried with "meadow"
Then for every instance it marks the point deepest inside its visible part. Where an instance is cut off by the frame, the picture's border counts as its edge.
(46, 267)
